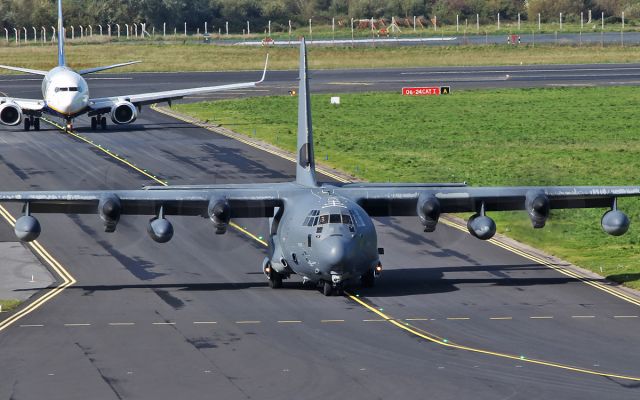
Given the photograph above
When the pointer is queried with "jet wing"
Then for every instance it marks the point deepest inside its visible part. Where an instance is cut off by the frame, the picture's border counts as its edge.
(402, 199)
(25, 104)
(104, 104)
(245, 201)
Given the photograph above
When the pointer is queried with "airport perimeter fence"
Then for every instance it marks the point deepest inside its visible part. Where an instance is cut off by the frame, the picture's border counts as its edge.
(588, 29)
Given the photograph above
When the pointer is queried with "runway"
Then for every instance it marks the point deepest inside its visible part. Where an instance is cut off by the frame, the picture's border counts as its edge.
(194, 318)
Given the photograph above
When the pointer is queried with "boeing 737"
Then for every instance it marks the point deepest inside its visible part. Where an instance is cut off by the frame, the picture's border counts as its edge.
(66, 95)
(321, 231)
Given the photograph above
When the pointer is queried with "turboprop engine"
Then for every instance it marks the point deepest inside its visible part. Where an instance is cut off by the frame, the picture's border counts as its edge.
(124, 113)
(220, 214)
(429, 212)
(10, 114)
(537, 206)
(110, 209)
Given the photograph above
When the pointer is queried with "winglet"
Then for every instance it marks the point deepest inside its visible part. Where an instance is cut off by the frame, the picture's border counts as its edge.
(305, 166)
(264, 73)
(61, 58)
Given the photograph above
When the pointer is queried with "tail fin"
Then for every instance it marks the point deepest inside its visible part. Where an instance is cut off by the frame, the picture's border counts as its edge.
(61, 59)
(305, 166)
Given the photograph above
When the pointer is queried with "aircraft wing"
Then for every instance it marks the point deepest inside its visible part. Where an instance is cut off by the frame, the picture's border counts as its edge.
(404, 199)
(104, 104)
(25, 104)
(244, 201)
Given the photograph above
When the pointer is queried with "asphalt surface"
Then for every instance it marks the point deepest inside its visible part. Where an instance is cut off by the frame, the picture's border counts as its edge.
(195, 318)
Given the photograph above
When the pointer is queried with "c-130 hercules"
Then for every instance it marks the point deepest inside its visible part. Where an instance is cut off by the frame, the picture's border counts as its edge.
(323, 232)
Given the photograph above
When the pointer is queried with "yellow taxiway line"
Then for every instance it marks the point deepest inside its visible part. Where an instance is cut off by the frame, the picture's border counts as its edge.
(60, 271)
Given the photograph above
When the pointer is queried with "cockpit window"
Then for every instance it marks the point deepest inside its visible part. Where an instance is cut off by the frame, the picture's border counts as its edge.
(324, 219)
(346, 219)
(312, 218)
(65, 89)
(73, 89)
(334, 219)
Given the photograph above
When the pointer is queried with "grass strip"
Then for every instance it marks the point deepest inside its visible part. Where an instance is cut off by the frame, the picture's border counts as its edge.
(8, 305)
(556, 136)
(194, 57)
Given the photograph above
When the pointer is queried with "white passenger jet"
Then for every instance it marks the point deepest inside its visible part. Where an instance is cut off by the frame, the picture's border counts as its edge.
(66, 95)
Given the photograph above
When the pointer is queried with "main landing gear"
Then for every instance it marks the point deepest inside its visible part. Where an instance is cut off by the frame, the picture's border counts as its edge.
(99, 120)
(330, 289)
(32, 122)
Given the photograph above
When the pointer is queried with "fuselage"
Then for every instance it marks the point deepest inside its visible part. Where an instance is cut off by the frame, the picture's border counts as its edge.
(331, 239)
(65, 92)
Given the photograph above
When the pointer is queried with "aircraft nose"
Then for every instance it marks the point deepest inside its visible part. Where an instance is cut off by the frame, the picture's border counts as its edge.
(334, 251)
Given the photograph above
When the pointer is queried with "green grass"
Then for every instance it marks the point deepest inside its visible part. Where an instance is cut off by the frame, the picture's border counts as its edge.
(192, 57)
(577, 136)
(8, 305)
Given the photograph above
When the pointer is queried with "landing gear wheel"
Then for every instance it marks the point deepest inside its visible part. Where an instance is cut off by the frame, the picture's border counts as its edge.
(275, 279)
(27, 124)
(94, 123)
(368, 279)
(36, 124)
(327, 288)
(338, 290)
(103, 123)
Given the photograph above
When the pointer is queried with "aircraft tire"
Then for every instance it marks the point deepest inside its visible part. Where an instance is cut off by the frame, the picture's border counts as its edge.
(36, 124)
(103, 123)
(94, 123)
(327, 288)
(27, 124)
(275, 279)
(368, 279)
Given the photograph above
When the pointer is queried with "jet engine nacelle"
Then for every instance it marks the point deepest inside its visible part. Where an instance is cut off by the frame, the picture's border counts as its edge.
(124, 113)
(160, 230)
(27, 228)
(615, 223)
(10, 114)
(110, 209)
(429, 212)
(538, 207)
(219, 212)
(481, 227)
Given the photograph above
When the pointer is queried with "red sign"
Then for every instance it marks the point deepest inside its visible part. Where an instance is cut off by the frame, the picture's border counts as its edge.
(425, 91)
(421, 91)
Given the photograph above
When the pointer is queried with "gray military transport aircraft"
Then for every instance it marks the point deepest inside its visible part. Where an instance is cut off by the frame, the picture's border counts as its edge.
(323, 232)
(66, 95)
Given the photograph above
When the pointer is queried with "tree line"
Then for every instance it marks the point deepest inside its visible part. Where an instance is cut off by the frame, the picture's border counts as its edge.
(19, 13)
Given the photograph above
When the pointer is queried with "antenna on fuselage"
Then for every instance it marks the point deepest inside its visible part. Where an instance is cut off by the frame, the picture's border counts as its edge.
(305, 166)
(61, 58)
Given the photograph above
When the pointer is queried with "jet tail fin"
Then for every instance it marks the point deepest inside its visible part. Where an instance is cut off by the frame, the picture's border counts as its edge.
(61, 34)
(106, 67)
(305, 165)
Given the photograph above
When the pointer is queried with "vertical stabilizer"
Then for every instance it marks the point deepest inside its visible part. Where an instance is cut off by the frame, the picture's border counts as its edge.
(306, 167)
(61, 59)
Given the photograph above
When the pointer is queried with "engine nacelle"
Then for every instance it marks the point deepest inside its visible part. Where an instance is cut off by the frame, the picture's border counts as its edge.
(110, 209)
(615, 223)
(429, 212)
(538, 207)
(160, 230)
(124, 113)
(10, 114)
(219, 212)
(27, 228)
(481, 227)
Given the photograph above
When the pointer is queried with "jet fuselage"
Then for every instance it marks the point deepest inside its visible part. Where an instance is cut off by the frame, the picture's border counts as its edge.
(65, 92)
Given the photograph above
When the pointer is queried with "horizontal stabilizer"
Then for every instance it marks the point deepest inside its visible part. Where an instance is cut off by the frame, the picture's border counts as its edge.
(98, 69)
(25, 70)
